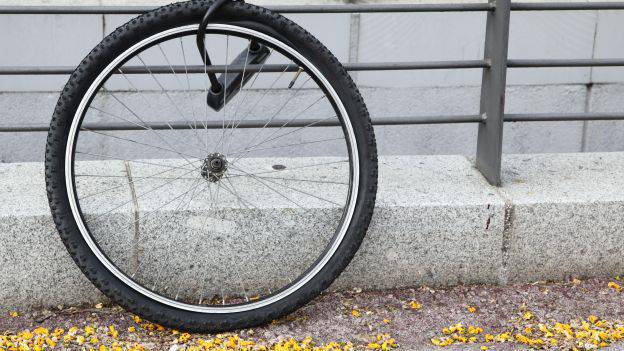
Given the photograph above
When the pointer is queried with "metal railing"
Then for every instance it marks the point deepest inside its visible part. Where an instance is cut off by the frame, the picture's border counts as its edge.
(495, 64)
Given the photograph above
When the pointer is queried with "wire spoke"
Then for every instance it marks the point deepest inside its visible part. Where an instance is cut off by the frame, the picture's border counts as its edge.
(223, 236)
(292, 96)
(247, 205)
(138, 196)
(193, 187)
(144, 144)
(131, 182)
(145, 127)
(175, 105)
(225, 86)
(231, 255)
(240, 103)
(300, 128)
(275, 191)
(223, 137)
(206, 83)
(306, 180)
(290, 169)
(271, 137)
(135, 161)
(186, 206)
(291, 120)
(264, 94)
(188, 97)
(120, 176)
(181, 207)
(291, 188)
(288, 145)
(159, 135)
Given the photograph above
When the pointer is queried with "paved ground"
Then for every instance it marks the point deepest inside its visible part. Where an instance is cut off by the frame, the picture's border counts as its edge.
(409, 316)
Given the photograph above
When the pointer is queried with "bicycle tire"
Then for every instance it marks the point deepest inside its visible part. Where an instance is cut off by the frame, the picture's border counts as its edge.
(158, 21)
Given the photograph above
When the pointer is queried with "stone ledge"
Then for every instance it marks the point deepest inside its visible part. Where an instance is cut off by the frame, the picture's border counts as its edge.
(437, 223)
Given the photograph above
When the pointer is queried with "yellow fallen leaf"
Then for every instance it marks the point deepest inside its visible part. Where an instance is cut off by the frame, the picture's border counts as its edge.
(615, 286)
(415, 305)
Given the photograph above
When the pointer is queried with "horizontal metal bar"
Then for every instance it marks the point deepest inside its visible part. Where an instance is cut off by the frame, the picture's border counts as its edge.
(379, 121)
(553, 117)
(415, 120)
(398, 66)
(354, 66)
(379, 66)
(565, 63)
(561, 6)
(258, 123)
(346, 8)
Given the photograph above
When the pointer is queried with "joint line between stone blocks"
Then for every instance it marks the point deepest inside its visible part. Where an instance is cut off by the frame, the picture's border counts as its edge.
(135, 212)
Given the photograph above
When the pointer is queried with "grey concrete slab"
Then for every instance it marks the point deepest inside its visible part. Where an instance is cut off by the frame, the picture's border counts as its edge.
(32, 257)
(35, 268)
(605, 135)
(105, 197)
(415, 245)
(437, 236)
(248, 233)
(566, 215)
(437, 222)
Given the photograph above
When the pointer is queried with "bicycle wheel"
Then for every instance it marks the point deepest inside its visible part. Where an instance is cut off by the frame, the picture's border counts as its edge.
(209, 219)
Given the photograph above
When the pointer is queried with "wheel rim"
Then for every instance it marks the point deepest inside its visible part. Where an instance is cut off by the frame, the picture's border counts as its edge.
(272, 297)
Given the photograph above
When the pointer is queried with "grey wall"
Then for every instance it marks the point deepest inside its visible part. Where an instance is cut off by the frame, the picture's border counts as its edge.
(64, 40)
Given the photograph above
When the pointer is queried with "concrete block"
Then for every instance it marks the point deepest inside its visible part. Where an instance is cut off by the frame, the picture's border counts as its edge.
(435, 233)
(605, 135)
(35, 268)
(437, 222)
(565, 218)
(258, 238)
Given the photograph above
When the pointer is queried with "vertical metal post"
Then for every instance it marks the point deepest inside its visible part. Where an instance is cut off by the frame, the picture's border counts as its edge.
(490, 139)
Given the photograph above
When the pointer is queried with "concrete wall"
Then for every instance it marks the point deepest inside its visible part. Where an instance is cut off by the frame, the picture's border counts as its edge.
(437, 222)
(64, 40)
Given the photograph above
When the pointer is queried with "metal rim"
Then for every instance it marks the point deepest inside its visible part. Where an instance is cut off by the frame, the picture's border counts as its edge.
(71, 191)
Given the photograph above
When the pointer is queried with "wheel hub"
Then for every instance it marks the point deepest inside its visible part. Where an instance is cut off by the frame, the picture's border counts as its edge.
(214, 167)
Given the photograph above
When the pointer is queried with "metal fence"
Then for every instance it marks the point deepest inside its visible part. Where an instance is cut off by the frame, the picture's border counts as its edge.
(495, 64)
